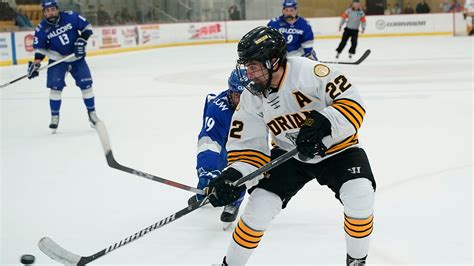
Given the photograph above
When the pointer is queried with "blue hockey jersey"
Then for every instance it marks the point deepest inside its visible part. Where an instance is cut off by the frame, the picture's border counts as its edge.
(299, 35)
(211, 151)
(57, 40)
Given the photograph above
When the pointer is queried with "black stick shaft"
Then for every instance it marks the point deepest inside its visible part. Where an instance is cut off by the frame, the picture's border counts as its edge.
(145, 231)
(360, 60)
(114, 164)
(272, 164)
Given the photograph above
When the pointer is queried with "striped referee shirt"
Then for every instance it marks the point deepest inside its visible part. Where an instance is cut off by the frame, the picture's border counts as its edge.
(353, 18)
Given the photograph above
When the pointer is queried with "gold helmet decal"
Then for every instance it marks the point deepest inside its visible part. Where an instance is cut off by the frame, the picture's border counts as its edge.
(261, 39)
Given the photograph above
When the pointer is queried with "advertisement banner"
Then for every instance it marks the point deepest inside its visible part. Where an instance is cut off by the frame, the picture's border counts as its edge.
(24, 44)
(129, 36)
(108, 38)
(150, 34)
(400, 24)
(5, 47)
(132, 37)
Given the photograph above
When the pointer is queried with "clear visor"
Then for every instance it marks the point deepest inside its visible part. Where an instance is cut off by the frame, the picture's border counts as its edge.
(259, 75)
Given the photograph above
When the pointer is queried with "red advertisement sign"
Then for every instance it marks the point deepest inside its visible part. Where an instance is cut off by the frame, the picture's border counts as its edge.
(109, 38)
(206, 32)
(29, 39)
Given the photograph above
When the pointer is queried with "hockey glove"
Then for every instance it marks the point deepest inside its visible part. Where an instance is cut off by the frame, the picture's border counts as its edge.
(33, 69)
(221, 192)
(314, 129)
(204, 179)
(80, 47)
(311, 55)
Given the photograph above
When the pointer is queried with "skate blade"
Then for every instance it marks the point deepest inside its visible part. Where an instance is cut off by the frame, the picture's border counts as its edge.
(53, 130)
(226, 225)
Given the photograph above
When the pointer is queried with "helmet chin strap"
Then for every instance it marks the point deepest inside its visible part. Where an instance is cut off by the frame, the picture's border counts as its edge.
(266, 91)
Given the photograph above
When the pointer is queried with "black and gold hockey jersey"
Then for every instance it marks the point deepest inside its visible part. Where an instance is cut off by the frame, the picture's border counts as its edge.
(306, 85)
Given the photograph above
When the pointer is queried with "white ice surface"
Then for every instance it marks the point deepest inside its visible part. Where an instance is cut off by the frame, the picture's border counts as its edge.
(417, 133)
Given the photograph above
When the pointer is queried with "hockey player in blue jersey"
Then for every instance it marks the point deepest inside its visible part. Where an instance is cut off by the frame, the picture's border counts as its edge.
(211, 152)
(58, 35)
(296, 30)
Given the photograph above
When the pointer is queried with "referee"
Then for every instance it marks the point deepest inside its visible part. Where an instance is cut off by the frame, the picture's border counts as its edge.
(353, 17)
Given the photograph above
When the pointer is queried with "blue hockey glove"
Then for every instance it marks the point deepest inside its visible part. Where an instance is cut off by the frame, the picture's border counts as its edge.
(309, 140)
(33, 69)
(204, 178)
(80, 47)
(311, 55)
(221, 192)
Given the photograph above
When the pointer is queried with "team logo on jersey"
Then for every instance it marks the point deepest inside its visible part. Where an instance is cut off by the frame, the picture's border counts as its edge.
(321, 70)
(59, 31)
(221, 103)
(287, 122)
(292, 137)
(291, 31)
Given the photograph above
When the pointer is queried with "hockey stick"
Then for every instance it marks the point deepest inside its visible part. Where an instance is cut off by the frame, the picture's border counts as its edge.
(59, 254)
(360, 60)
(106, 146)
(39, 69)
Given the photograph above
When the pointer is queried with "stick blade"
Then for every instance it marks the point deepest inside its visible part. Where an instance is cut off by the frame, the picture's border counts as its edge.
(57, 253)
(364, 56)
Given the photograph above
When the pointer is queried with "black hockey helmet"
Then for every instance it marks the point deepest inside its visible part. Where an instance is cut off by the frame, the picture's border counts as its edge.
(266, 45)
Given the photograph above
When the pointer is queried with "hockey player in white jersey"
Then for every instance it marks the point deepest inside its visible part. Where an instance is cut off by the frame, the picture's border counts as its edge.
(301, 103)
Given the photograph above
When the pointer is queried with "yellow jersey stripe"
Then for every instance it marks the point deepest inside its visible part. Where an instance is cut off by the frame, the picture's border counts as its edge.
(249, 153)
(248, 157)
(355, 113)
(349, 141)
(348, 115)
(256, 164)
(353, 104)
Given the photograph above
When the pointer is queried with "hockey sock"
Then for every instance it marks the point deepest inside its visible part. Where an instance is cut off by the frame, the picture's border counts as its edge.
(55, 101)
(358, 232)
(245, 236)
(88, 97)
(260, 210)
(357, 196)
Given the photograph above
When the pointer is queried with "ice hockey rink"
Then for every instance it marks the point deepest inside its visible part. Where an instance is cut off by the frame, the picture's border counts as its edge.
(417, 133)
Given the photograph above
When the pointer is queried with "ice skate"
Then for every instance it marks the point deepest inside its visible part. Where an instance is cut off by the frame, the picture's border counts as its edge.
(355, 262)
(54, 123)
(93, 119)
(229, 215)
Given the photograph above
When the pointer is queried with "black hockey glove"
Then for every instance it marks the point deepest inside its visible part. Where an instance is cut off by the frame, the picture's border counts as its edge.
(309, 141)
(80, 47)
(221, 191)
(33, 70)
